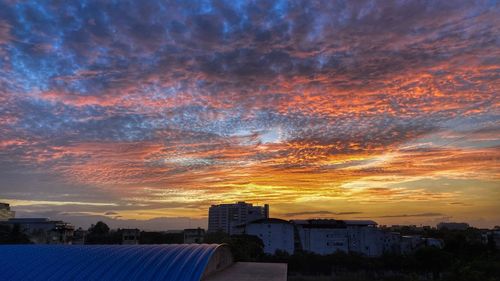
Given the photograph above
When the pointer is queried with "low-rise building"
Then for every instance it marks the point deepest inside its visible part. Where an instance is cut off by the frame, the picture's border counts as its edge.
(322, 236)
(43, 230)
(364, 237)
(5, 212)
(494, 236)
(130, 236)
(194, 235)
(327, 236)
(79, 236)
(392, 242)
(410, 243)
(434, 242)
(276, 234)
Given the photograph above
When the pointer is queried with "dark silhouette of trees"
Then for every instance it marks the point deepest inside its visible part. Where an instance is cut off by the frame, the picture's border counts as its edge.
(152, 237)
(100, 228)
(244, 247)
(100, 234)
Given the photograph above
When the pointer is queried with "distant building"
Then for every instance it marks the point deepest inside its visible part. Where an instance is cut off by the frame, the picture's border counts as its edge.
(130, 236)
(494, 236)
(392, 242)
(226, 217)
(323, 237)
(194, 235)
(364, 237)
(327, 236)
(276, 234)
(43, 230)
(5, 212)
(410, 243)
(79, 236)
(453, 225)
(434, 242)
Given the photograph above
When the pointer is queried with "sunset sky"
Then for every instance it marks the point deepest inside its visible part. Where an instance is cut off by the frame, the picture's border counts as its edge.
(144, 113)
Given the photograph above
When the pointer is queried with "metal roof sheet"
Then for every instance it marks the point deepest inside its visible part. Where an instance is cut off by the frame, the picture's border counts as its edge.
(105, 262)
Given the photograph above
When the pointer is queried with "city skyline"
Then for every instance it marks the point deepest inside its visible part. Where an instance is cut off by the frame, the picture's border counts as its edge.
(147, 113)
(222, 217)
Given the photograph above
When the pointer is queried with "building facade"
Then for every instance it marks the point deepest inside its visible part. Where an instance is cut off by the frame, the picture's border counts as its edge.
(226, 217)
(43, 230)
(194, 235)
(79, 236)
(276, 234)
(327, 236)
(130, 236)
(392, 242)
(5, 212)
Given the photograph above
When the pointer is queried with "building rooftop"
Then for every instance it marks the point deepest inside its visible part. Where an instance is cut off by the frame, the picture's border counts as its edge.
(182, 262)
(269, 220)
(4, 206)
(332, 223)
(360, 222)
(113, 262)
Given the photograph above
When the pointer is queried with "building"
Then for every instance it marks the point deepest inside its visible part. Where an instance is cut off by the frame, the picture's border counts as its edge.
(194, 235)
(392, 242)
(327, 236)
(493, 237)
(79, 236)
(276, 234)
(364, 237)
(453, 225)
(130, 236)
(5, 212)
(434, 242)
(43, 230)
(410, 243)
(191, 262)
(226, 217)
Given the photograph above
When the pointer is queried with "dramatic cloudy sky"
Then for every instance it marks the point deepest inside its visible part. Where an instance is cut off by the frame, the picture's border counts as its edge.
(144, 113)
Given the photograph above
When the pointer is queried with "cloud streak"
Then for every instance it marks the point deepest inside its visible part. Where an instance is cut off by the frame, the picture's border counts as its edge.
(320, 213)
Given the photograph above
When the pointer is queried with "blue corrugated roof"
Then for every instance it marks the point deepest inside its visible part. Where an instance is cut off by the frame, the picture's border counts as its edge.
(105, 262)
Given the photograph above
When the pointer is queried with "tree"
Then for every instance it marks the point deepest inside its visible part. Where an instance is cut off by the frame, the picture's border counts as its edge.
(100, 228)
(433, 260)
(246, 247)
(243, 247)
(100, 234)
(218, 237)
(151, 237)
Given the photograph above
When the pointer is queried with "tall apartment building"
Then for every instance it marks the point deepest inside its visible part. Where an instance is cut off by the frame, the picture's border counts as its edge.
(5, 212)
(226, 217)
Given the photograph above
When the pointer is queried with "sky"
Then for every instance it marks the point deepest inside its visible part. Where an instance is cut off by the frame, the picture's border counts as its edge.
(144, 113)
